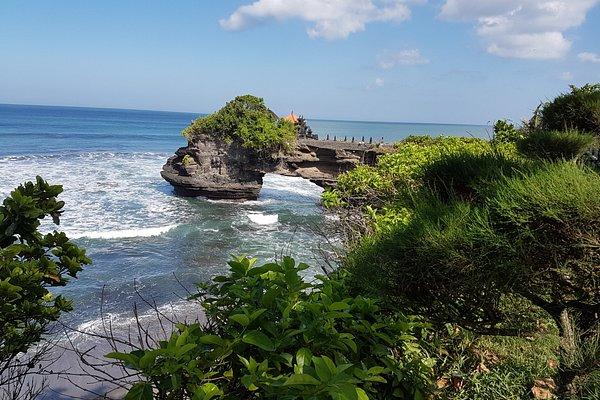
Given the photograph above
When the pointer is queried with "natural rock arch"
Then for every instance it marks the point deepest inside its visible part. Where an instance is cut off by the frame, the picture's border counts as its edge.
(218, 169)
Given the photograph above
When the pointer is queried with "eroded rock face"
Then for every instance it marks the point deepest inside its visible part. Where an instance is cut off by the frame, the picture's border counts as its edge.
(219, 170)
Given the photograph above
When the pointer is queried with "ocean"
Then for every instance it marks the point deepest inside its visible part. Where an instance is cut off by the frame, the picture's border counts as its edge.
(144, 241)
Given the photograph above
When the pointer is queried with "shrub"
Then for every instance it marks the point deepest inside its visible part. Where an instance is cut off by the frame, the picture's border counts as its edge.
(506, 132)
(271, 335)
(426, 264)
(331, 198)
(535, 235)
(555, 145)
(579, 109)
(246, 119)
(401, 170)
(31, 263)
(187, 160)
(462, 174)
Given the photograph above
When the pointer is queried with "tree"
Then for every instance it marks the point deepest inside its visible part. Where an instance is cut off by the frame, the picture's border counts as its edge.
(30, 263)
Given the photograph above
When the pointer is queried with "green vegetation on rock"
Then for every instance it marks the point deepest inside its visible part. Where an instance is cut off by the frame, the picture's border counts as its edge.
(247, 120)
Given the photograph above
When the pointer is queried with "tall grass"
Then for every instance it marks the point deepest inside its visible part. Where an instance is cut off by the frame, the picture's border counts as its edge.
(555, 145)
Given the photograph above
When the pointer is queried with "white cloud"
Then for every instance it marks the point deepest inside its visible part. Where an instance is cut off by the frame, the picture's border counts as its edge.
(566, 76)
(329, 19)
(589, 57)
(379, 82)
(389, 60)
(530, 29)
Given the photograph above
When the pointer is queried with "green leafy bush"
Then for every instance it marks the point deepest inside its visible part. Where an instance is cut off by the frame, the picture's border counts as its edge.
(506, 132)
(534, 235)
(555, 145)
(246, 119)
(383, 193)
(187, 160)
(579, 109)
(31, 263)
(402, 170)
(331, 198)
(271, 335)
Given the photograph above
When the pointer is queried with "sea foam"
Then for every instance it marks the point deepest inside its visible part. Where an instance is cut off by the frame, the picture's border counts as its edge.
(263, 219)
(124, 234)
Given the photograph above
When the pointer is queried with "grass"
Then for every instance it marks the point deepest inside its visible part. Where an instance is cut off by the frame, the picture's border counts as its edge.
(463, 173)
(555, 145)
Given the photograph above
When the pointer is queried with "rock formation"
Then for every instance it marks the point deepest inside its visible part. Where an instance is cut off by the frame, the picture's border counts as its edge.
(217, 169)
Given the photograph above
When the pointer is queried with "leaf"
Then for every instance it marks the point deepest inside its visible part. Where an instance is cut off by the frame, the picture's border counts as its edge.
(301, 379)
(148, 359)
(258, 339)
(140, 391)
(182, 338)
(303, 357)
(210, 390)
(339, 305)
(322, 369)
(257, 313)
(330, 364)
(270, 296)
(211, 339)
(362, 395)
(240, 319)
(376, 370)
(442, 383)
(348, 391)
(542, 389)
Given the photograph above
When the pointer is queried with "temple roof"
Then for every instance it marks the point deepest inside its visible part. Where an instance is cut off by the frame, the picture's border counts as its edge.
(292, 118)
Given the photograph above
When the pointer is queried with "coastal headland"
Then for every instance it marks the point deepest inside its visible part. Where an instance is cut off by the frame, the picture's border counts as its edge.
(219, 169)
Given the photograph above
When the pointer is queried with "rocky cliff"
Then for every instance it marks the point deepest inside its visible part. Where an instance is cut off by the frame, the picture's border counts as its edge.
(218, 169)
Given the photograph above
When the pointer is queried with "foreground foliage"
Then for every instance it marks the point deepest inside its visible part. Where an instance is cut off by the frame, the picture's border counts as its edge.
(246, 119)
(30, 264)
(271, 335)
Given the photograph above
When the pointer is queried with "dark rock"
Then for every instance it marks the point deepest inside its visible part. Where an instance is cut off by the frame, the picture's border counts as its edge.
(217, 169)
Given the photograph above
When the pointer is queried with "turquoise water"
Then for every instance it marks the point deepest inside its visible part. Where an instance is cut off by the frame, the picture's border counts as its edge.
(143, 240)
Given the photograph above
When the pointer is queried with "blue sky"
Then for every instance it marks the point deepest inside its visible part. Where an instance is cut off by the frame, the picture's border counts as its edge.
(453, 61)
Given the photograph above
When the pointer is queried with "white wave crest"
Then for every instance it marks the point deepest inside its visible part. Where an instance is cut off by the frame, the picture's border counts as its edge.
(125, 233)
(263, 219)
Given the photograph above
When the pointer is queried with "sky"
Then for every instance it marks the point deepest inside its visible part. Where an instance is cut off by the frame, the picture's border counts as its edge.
(444, 61)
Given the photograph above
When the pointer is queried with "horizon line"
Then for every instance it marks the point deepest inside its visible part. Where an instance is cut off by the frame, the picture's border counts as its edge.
(203, 114)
